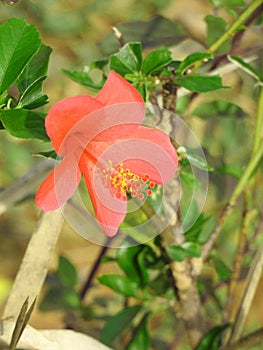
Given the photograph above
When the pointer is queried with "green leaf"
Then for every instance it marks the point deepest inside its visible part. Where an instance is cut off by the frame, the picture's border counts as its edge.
(216, 26)
(200, 83)
(193, 159)
(185, 250)
(141, 87)
(60, 298)
(190, 60)
(202, 229)
(36, 68)
(227, 3)
(120, 284)
(128, 60)
(141, 337)
(127, 258)
(33, 97)
(67, 272)
(18, 43)
(156, 60)
(24, 123)
(211, 341)
(116, 324)
(71, 299)
(222, 270)
(31, 79)
(84, 79)
(218, 108)
(48, 154)
(246, 67)
(233, 170)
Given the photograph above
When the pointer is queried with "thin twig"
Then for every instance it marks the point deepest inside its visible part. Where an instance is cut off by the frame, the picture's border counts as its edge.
(86, 286)
(119, 36)
(252, 281)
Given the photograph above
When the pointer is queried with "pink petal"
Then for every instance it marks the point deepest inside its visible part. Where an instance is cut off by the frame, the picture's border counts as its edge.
(118, 90)
(65, 114)
(105, 124)
(146, 152)
(59, 185)
(110, 211)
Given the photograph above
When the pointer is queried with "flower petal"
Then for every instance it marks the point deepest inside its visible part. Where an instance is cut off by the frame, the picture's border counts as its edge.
(65, 114)
(146, 152)
(110, 211)
(59, 185)
(105, 124)
(118, 90)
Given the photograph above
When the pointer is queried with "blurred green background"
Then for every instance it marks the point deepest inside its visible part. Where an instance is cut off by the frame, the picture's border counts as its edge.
(75, 30)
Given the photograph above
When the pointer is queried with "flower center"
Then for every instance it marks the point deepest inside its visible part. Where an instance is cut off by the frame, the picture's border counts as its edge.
(124, 182)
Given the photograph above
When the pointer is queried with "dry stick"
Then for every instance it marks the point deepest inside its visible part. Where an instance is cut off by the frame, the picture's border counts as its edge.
(34, 266)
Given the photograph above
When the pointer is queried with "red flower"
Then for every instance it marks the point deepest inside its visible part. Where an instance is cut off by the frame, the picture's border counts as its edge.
(102, 139)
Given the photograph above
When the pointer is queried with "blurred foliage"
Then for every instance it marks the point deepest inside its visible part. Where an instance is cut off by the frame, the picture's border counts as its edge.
(134, 311)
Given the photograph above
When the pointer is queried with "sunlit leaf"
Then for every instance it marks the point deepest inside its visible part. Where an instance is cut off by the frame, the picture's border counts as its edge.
(120, 284)
(18, 43)
(128, 60)
(190, 60)
(156, 60)
(31, 80)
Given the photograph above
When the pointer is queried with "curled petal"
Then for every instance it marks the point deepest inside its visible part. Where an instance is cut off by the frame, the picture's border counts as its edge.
(59, 185)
